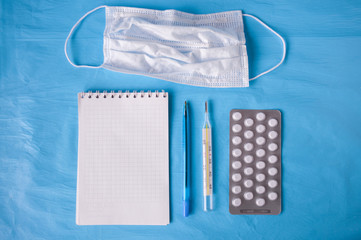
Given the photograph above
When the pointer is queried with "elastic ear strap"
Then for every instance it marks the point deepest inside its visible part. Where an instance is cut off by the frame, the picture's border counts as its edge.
(71, 32)
(283, 42)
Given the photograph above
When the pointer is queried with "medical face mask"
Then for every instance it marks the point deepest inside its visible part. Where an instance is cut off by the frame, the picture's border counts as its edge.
(207, 50)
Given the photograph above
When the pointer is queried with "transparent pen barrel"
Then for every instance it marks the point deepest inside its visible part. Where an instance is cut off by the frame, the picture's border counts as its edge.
(207, 169)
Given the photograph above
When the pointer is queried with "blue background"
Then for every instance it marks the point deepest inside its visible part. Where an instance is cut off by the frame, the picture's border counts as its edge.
(318, 90)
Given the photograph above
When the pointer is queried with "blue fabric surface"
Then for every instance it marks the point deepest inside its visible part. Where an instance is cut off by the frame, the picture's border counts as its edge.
(317, 89)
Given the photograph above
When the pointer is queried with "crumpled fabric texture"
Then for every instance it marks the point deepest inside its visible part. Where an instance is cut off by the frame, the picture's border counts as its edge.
(317, 89)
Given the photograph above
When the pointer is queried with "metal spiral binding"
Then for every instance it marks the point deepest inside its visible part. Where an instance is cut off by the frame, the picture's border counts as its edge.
(120, 94)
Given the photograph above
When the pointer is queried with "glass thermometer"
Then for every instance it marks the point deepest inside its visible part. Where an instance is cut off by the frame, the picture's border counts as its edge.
(207, 163)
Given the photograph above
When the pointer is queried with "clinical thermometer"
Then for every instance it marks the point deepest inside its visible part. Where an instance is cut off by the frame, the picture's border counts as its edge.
(207, 163)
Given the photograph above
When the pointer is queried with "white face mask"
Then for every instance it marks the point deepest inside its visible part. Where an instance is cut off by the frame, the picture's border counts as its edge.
(207, 50)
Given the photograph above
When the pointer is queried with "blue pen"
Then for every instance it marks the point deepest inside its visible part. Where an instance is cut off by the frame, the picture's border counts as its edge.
(186, 160)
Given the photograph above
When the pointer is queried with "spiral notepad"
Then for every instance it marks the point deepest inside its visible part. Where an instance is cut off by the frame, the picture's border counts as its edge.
(123, 162)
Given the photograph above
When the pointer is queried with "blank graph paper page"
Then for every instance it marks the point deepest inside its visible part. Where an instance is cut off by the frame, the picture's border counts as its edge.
(123, 159)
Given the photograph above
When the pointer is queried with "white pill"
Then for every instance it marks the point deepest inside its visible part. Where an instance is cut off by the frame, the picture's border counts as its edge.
(236, 152)
(272, 196)
(248, 195)
(248, 122)
(236, 116)
(272, 134)
(260, 177)
(236, 189)
(272, 183)
(260, 116)
(260, 202)
(260, 128)
(260, 165)
(248, 146)
(236, 165)
(248, 158)
(260, 189)
(236, 128)
(272, 147)
(236, 177)
(236, 202)
(272, 159)
(236, 140)
(260, 152)
(248, 183)
(272, 171)
(260, 140)
(248, 171)
(248, 134)
(272, 122)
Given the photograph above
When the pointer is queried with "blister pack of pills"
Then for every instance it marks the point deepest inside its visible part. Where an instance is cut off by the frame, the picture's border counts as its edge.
(255, 162)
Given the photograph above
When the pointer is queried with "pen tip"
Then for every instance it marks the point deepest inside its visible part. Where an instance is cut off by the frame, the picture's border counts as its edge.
(206, 106)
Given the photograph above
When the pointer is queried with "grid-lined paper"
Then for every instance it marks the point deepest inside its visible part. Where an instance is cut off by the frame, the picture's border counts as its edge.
(123, 173)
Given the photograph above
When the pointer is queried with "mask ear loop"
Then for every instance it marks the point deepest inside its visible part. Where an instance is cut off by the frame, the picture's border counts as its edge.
(283, 42)
(71, 32)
